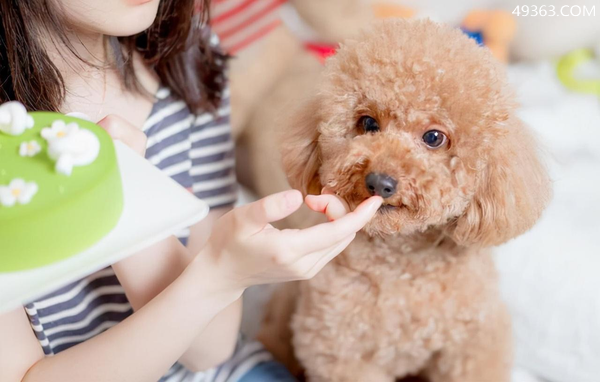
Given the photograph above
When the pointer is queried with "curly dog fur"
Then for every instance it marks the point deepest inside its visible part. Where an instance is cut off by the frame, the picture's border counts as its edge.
(416, 292)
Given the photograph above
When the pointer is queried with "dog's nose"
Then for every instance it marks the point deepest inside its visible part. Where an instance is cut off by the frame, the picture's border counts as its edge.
(381, 184)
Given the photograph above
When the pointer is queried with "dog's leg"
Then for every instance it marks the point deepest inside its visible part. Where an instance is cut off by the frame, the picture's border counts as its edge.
(484, 357)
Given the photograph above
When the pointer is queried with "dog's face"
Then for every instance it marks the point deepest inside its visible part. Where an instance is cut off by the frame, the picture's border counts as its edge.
(403, 153)
(418, 114)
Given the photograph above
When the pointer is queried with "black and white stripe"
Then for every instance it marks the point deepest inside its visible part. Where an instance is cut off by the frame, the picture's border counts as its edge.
(196, 150)
(78, 311)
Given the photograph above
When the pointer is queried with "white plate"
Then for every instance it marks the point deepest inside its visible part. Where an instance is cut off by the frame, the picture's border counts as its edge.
(155, 207)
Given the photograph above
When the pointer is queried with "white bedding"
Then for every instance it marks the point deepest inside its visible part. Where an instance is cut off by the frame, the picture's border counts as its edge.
(551, 275)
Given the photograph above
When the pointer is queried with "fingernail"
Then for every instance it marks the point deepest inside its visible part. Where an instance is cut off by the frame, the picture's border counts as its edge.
(374, 204)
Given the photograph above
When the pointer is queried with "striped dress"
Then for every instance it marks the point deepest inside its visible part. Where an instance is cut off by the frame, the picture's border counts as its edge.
(197, 152)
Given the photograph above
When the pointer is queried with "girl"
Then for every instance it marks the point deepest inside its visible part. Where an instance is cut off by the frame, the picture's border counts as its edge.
(172, 310)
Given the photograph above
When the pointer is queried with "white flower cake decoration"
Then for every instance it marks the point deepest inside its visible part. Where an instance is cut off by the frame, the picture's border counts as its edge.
(70, 146)
(29, 149)
(59, 129)
(18, 191)
(14, 119)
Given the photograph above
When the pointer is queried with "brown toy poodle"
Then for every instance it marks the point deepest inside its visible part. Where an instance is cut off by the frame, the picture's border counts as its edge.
(419, 114)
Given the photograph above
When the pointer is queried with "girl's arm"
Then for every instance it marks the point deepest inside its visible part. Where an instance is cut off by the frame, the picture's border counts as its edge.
(216, 344)
(141, 348)
(146, 274)
(19, 349)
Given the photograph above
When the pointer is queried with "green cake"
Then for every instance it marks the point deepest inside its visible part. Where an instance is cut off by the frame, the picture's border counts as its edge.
(60, 187)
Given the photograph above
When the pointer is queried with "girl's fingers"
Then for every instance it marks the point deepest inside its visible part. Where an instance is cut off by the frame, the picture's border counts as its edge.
(120, 129)
(331, 255)
(114, 126)
(314, 262)
(325, 235)
(330, 205)
(255, 216)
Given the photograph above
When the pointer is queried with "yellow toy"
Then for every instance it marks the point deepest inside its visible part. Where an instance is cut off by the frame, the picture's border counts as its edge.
(567, 66)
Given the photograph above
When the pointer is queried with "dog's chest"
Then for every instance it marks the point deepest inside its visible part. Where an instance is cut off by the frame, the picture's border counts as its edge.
(395, 302)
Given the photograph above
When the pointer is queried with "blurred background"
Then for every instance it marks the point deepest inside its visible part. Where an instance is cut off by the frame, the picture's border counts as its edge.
(550, 277)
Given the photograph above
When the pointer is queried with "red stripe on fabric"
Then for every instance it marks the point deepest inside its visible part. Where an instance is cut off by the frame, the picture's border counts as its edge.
(274, 5)
(261, 32)
(232, 12)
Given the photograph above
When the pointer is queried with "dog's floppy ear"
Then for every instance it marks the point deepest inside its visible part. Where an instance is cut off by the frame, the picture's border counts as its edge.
(300, 149)
(511, 194)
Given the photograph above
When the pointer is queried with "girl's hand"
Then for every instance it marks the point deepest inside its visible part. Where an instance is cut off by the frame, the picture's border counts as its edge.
(246, 250)
(120, 129)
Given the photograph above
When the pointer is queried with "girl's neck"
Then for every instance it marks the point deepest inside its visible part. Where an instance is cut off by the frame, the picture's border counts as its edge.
(91, 47)
(94, 86)
(84, 63)
(86, 54)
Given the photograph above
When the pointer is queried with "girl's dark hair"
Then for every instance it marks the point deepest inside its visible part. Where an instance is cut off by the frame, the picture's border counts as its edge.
(176, 46)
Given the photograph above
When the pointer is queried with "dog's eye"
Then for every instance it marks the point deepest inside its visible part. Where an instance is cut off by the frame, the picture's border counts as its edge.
(368, 124)
(435, 139)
